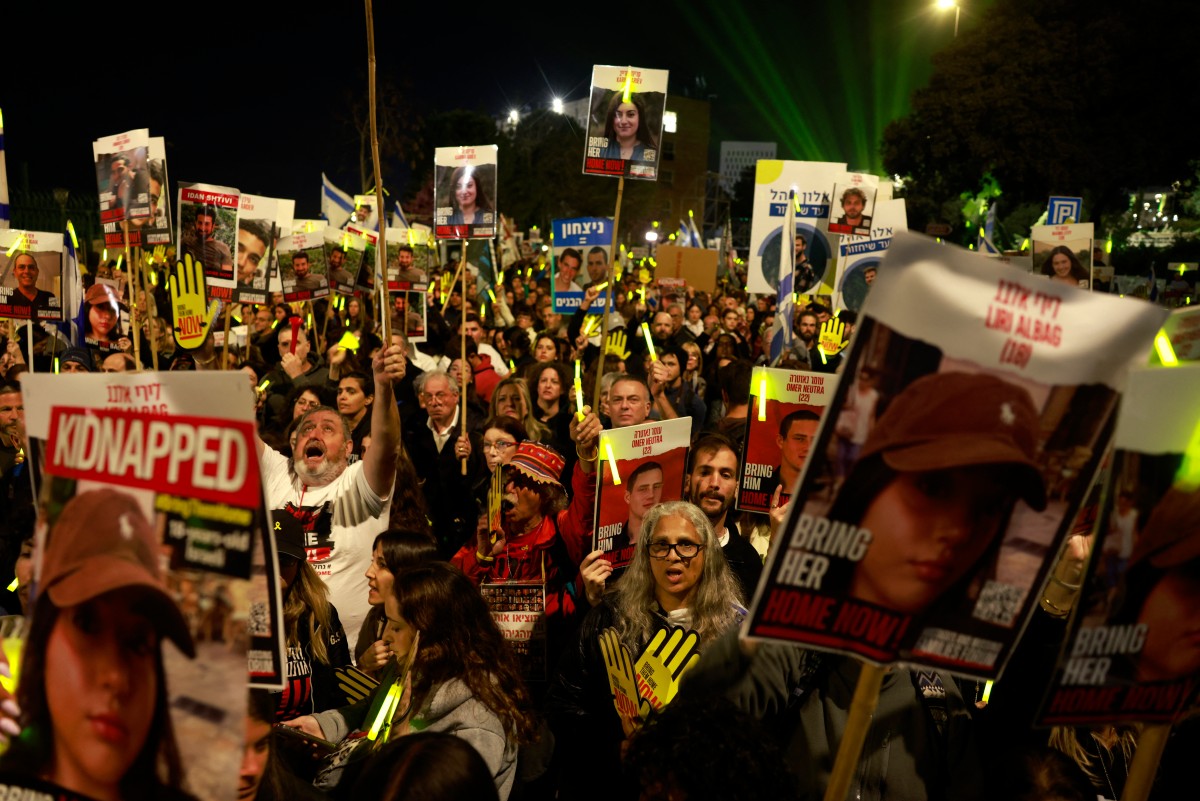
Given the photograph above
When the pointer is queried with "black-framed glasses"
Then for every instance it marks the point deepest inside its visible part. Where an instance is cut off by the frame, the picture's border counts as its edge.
(660, 549)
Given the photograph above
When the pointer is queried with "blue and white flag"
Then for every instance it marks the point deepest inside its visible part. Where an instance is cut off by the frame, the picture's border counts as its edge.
(72, 288)
(398, 221)
(785, 306)
(986, 244)
(697, 240)
(5, 212)
(336, 205)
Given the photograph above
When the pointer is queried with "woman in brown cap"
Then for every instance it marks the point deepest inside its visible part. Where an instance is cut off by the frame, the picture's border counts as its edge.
(93, 695)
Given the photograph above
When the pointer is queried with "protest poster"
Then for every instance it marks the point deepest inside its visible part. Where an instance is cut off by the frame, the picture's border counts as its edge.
(257, 238)
(1133, 653)
(853, 204)
(519, 609)
(105, 315)
(208, 226)
(859, 257)
(31, 278)
(302, 265)
(812, 182)
(625, 122)
(150, 504)
(695, 267)
(123, 179)
(344, 256)
(974, 405)
(785, 411)
(409, 313)
(410, 256)
(1182, 332)
(579, 243)
(464, 191)
(1063, 253)
(154, 228)
(643, 466)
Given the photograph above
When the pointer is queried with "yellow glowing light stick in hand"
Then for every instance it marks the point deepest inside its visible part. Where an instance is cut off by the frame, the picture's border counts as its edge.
(578, 393)
(187, 304)
(649, 342)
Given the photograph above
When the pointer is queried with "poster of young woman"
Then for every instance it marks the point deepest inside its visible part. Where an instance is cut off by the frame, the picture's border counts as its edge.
(31, 275)
(208, 226)
(302, 265)
(464, 192)
(150, 499)
(785, 411)
(1134, 650)
(625, 122)
(859, 257)
(925, 522)
(582, 252)
(773, 182)
(1063, 253)
(643, 466)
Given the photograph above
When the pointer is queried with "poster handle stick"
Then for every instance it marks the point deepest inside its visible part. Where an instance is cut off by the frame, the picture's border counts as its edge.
(29, 342)
(463, 365)
(385, 321)
(608, 295)
(151, 314)
(225, 340)
(325, 324)
(1150, 745)
(862, 708)
(131, 285)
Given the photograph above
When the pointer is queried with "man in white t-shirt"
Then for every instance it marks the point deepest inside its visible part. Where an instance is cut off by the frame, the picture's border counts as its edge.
(340, 506)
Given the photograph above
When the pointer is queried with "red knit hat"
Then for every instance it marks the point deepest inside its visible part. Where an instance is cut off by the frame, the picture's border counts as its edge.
(540, 463)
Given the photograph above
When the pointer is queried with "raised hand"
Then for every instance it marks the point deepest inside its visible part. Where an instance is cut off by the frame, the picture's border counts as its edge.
(191, 321)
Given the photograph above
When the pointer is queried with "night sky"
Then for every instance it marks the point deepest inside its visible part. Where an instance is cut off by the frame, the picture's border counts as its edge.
(249, 94)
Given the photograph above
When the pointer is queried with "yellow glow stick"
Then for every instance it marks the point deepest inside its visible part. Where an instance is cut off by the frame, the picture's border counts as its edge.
(12, 586)
(491, 294)
(71, 231)
(263, 386)
(762, 398)
(628, 85)
(1166, 353)
(579, 400)
(649, 341)
(104, 255)
(154, 277)
(55, 364)
(987, 691)
(612, 462)
(603, 285)
(17, 243)
(386, 710)
(348, 342)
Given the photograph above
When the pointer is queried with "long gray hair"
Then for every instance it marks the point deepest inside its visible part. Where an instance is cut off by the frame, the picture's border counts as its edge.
(714, 601)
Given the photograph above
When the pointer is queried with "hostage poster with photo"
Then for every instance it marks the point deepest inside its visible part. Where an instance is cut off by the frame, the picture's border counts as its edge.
(625, 122)
(582, 252)
(973, 408)
(208, 227)
(410, 312)
(123, 180)
(519, 609)
(812, 182)
(344, 257)
(151, 505)
(257, 238)
(785, 412)
(302, 265)
(31, 276)
(853, 206)
(643, 466)
(411, 256)
(859, 257)
(1133, 653)
(1063, 253)
(464, 188)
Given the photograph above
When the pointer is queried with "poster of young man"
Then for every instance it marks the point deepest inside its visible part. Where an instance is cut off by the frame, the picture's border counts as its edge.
(410, 255)
(649, 460)
(155, 227)
(257, 237)
(344, 256)
(302, 265)
(464, 192)
(582, 250)
(123, 176)
(1063, 253)
(785, 412)
(978, 402)
(854, 204)
(31, 275)
(208, 226)
(142, 562)
(773, 181)
(859, 257)
(625, 122)
(1134, 650)
(409, 311)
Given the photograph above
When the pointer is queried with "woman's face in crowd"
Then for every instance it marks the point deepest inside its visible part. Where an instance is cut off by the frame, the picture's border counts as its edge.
(625, 122)
(101, 683)
(398, 634)
(692, 361)
(675, 579)
(545, 351)
(307, 400)
(1172, 647)
(352, 308)
(379, 578)
(693, 314)
(509, 403)
(1061, 265)
(464, 192)
(103, 319)
(549, 386)
(499, 447)
(927, 530)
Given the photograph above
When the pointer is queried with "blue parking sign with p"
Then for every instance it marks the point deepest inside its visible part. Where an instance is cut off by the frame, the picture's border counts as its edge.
(1064, 210)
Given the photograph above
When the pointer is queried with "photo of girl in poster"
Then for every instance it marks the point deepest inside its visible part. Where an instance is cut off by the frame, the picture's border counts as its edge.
(1061, 264)
(629, 129)
(93, 694)
(102, 324)
(469, 190)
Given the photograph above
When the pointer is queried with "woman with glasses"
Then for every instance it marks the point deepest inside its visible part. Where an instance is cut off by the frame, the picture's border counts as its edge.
(678, 577)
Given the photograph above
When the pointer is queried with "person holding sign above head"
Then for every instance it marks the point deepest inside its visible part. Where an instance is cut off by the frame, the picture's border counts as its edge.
(935, 484)
(627, 130)
(469, 198)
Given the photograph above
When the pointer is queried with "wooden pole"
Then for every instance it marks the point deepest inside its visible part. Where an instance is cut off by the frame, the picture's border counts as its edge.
(131, 284)
(862, 708)
(385, 323)
(1150, 745)
(463, 365)
(29, 343)
(608, 295)
(225, 346)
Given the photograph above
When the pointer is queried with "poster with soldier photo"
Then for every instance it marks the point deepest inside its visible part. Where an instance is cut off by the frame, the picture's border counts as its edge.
(625, 122)
(785, 411)
(642, 466)
(302, 266)
(1063, 253)
(344, 257)
(31, 276)
(464, 192)
(859, 257)
(582, 252)
(411, 254)
(149, 510)
(409, 313)
(154, 228)
(853, 204)
(208, 226)
(258, 232)
(972, 410)
(774, 181)
(123, 177)
(1133, 653)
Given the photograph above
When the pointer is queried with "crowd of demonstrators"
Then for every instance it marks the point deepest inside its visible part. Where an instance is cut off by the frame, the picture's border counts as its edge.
(380, 475)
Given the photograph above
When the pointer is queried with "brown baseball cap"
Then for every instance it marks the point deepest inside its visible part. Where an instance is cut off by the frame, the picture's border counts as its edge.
(1172, 534)
(102, 542)
(946, 420)
(101, 293)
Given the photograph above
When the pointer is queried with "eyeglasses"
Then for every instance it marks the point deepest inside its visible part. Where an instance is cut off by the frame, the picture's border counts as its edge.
(499, 447)
(660, 549)
(440, 397)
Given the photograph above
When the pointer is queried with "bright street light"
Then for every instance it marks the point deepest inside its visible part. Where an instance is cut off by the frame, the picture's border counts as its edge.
(514, 117)
(557, 105)
(946, 5)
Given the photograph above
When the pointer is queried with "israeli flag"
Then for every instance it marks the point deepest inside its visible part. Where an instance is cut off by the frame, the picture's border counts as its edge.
(336, 205)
